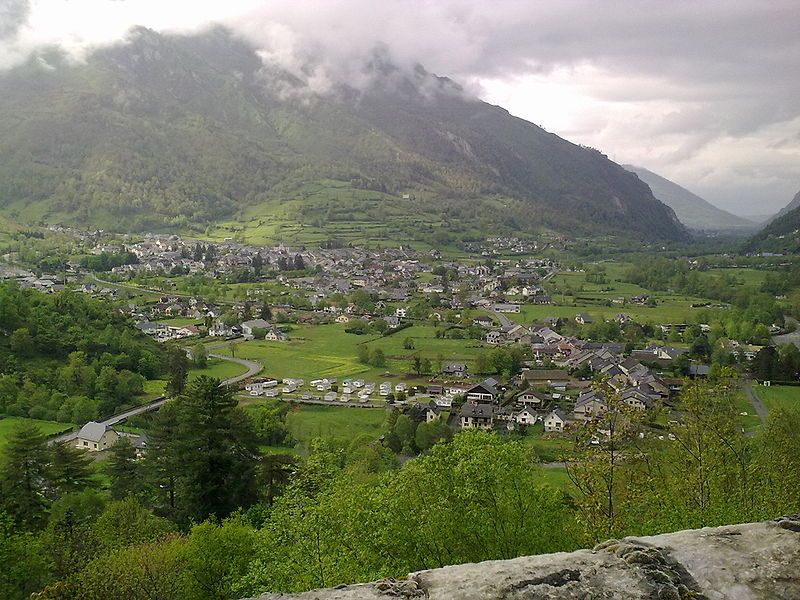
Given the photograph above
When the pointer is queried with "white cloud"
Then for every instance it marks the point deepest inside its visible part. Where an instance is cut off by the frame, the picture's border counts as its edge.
(703, 90)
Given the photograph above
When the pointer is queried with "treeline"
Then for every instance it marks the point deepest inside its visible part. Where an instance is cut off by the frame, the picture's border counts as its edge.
(69, 358)
(105, 261)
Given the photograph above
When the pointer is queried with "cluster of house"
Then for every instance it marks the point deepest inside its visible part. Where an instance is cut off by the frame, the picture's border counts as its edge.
(635, 385)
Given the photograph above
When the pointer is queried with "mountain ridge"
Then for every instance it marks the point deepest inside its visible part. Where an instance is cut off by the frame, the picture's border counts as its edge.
(781, 233)
(191, 130)
(693, 211)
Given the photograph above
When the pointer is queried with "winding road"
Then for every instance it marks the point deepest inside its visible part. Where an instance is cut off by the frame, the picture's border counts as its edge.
(252, 369)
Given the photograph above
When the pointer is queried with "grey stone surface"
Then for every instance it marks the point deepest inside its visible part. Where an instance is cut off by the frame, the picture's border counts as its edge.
(755, 561)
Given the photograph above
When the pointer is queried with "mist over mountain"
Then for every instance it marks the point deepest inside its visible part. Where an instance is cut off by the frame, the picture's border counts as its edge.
(182, 131)
(692, 210)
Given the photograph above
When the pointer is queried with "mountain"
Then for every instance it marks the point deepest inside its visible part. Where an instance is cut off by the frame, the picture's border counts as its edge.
(186, 131)
(782, 232)
(692, 210)
(788, 208)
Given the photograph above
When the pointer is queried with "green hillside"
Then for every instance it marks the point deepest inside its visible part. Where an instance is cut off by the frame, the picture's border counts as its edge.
(187, 132)
(782, 233)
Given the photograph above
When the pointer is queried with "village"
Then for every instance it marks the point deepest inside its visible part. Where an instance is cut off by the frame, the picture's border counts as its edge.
(454, 311)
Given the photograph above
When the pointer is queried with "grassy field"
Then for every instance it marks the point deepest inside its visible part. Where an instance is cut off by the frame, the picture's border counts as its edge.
(223, 369)
(776, 396)
(8, 424)
(572, 294)
(328, 351)
(749, 421)
(307, 422)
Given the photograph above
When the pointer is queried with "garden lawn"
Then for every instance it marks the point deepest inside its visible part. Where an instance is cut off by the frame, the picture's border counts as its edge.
(777, 396)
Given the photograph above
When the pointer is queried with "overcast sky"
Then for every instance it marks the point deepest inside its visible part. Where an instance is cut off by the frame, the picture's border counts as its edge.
(706, 93)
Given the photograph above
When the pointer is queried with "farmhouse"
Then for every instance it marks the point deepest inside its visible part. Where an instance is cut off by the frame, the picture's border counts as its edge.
(454, 370)
(95, 437)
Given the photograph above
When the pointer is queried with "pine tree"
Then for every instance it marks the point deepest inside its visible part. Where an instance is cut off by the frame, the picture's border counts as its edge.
(125, 473)
(24, 476)
(70, 470)
(178, 367)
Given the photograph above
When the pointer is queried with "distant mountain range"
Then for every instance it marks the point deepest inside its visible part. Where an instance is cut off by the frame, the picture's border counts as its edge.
(782, 232)
(692, 210)
(184, 131)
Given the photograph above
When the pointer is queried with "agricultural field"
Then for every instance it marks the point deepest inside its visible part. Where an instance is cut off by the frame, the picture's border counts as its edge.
(777, 396)
(306, 422)
(327, 351)
(752, 278)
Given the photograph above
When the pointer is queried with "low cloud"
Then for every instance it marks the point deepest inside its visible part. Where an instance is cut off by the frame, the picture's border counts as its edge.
(683, 88)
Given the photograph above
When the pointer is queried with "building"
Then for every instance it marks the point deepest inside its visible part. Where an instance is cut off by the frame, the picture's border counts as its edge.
(95, 437)
(454, 370)
(555, 421)
(476, 416)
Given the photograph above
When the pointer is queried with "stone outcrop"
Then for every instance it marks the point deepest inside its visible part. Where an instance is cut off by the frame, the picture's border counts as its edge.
(757, 561)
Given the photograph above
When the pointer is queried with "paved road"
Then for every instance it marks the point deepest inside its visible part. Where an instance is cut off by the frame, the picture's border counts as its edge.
(504, 320)
(761, 411)
(252, 369)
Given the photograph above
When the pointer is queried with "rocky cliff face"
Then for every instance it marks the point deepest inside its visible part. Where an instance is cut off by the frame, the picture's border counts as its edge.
(758, 561)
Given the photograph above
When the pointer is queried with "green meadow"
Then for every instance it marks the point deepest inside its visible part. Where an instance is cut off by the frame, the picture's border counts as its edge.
(778, 396)
(8, 424)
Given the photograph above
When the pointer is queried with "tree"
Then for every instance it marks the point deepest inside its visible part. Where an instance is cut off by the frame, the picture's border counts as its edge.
(21, 342)
(416, 363)
(23, 568)
(425, 366)
(178, 370)
(24, 478)
(70, 470)
(378, 358)
(213, 452)
(428, 434)
(596, 472)
(363, 353)
(199, 356)
(216, 556)
(126, 474)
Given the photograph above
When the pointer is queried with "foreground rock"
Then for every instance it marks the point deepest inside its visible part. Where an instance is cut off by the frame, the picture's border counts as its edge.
(757, 561)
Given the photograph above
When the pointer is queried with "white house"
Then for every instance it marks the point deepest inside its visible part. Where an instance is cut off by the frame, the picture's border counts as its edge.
(555, 421)
(95, 437)
(525, 417)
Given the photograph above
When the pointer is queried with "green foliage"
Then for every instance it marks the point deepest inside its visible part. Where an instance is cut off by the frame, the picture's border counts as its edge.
(473, 499)
(81, 357)
(204, 453)
(23, 568)
(126, 474)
